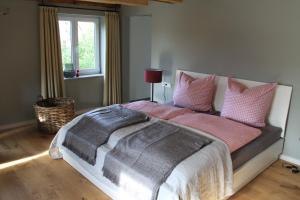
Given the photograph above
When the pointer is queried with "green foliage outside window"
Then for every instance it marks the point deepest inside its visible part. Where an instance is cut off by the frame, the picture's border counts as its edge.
(86, 44)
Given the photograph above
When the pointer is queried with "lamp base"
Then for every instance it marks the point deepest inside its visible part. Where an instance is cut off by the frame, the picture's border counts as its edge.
(152, 92)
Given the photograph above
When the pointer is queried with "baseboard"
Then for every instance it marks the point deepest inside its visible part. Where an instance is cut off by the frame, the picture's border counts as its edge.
(5, 127)
(31, 122)
(290, 159)
(16, 125)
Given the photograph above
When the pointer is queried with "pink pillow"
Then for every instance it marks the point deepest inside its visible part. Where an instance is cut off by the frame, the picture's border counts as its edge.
(194, 93)
(248, 105)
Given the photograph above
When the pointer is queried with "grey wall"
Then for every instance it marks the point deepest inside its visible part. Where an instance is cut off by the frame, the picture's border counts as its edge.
(256, 40)
(139, 55)
(87, 92)
(20, 65)
(136, 55)
(19, 60)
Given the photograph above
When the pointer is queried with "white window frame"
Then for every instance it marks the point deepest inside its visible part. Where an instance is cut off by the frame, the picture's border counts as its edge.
(74, 19)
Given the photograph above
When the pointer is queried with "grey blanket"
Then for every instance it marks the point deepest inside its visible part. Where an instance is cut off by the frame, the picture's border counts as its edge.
(149, 155)
(95, 128)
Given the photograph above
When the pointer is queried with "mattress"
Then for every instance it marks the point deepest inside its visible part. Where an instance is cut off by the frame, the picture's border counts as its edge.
(269, 136)
(205, 165)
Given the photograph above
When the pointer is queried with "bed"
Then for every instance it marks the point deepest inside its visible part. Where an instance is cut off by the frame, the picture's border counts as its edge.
(247, 163)
(277, 117)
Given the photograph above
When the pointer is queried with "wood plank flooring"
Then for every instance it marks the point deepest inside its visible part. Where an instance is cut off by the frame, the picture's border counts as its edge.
(27, 173)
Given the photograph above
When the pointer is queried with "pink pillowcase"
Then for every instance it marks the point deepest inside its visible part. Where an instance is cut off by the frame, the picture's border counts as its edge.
(248, 105)
(234, 134)
(194, 93)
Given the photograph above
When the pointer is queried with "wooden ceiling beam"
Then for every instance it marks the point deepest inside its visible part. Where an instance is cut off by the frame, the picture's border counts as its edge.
(169, 1)
(79, 2)
(112, 2)
(121, 2)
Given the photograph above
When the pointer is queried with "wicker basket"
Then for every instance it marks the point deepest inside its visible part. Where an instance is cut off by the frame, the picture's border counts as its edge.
(53, 113)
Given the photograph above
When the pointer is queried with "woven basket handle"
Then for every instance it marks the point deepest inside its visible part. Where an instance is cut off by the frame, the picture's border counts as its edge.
(39, 97)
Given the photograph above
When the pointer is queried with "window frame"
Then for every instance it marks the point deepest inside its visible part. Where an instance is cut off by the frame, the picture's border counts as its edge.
(74, 19)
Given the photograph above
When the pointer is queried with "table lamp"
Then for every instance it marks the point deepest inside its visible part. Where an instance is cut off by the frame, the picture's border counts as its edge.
(152, 76)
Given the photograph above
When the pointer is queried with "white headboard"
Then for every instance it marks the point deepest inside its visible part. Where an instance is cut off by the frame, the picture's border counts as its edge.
(280, 106)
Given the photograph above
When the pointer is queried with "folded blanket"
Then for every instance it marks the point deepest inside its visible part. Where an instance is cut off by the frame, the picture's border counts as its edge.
(160, 111)
(148, 156)
(95, 128)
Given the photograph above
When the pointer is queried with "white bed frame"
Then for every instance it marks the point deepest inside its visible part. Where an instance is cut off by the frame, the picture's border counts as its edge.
(244, 174)
(277, 117)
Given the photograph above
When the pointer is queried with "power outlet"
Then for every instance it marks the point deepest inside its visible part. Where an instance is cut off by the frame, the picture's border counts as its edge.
(166, 84)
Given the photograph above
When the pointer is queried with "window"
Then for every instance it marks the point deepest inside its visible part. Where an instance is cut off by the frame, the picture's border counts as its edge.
(80, 41)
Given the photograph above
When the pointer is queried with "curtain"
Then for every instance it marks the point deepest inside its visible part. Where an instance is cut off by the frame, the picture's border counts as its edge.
(112, 75)
(52, 82)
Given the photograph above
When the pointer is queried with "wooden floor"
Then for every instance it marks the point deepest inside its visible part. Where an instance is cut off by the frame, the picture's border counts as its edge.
(27, 172)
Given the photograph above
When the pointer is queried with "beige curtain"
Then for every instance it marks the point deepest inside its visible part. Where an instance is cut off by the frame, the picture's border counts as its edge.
(52, 83)
(112, 78)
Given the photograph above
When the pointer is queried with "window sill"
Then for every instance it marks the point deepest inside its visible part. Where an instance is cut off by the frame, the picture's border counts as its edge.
(85, 76)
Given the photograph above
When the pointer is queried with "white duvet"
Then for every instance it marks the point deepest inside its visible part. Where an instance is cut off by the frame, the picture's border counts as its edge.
(206, 175)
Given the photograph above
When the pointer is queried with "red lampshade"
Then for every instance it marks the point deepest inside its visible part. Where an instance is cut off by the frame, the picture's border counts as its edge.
(153, 75)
